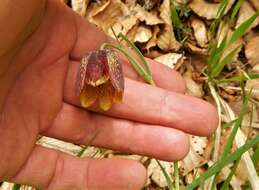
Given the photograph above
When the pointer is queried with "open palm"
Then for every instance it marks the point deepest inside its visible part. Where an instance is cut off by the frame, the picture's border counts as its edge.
(40, 100)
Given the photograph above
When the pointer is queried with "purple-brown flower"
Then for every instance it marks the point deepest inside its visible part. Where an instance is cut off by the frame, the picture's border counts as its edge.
(100, 77)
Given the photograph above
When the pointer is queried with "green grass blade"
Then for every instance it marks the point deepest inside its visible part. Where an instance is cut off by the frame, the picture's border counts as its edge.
(229, 124)
(138, 68)
(215, 55)
(226, 60)
(226, 183)
(220, 13)
(239, 78)
(16, 187)
(176, 176)
(138, 52)
(223, 162)
(168, 180)
(237, 125)
(175, 18)
(176, 21)
(236, 9)
(255, 156)
(79, 154)
(240, 31)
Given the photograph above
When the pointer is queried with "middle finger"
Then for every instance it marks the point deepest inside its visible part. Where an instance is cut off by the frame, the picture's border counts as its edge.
(148, 104)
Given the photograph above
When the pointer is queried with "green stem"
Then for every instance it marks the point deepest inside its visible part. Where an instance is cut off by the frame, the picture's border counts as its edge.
(132, 61)
(176, 176)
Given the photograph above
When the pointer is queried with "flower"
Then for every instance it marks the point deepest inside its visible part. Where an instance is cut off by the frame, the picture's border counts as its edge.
(100, 77)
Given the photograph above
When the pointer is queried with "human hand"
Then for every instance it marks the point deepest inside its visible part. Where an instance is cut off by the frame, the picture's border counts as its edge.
(40, 99)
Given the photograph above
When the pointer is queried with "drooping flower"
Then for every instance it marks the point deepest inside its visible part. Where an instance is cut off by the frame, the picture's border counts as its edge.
(100, 78)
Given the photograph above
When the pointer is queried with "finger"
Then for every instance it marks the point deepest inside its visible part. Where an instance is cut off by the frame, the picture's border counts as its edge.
(145, 103)
(163, 76)
(78, 126)
(62, 171)
(89, 37)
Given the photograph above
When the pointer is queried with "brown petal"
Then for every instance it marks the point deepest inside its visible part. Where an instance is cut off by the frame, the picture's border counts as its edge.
(115, 70)
(117, 96)
(88, 95)
(97, 71)
(81, 74)
(93, 70)
(106, 93)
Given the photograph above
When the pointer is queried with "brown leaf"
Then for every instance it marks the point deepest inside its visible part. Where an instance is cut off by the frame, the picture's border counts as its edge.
(251, 51)
(206, 9)
(200, 31)
(255, 4)
(166, 40)
(80, 6)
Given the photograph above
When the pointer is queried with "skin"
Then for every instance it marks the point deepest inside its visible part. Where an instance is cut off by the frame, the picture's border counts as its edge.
(39, 61)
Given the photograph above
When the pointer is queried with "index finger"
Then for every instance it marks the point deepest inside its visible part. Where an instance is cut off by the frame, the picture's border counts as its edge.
(149, 104)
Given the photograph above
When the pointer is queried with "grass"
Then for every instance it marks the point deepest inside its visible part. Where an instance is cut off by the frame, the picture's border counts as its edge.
(180, 29)
(217, 167)
(216, 62)
(16, 187)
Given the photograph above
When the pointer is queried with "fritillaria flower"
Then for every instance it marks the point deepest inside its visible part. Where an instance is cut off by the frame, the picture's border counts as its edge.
(100, 78)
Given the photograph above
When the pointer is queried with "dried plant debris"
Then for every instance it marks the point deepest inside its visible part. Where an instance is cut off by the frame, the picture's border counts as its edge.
(193, 87)
(206, 9)
(80, 6)
(200, 32)
(197, 156)
(255, 4)
(143, 34)
(251, 50)
(166, 41)
(170, 59)
(156, 174)
(148, 4)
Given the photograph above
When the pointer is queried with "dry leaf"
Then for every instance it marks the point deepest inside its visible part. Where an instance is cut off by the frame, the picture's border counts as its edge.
(255, 4)
(124, 25)
(193, 88)
(9, 186)
(80, 6)
(143, 34)
(149, 18)
(170, 59)
(156, 174)
(206, 9)
(200, 31)
(107, 15)
(148, 4)
(251, 51)
(235, 182)
(196, 156)
(254, 85)
(153, 41)
(166, 40)
(60, 145)
(194, 49)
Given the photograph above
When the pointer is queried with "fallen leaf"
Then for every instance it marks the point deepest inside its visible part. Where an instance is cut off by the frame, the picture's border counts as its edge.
(206, 9)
